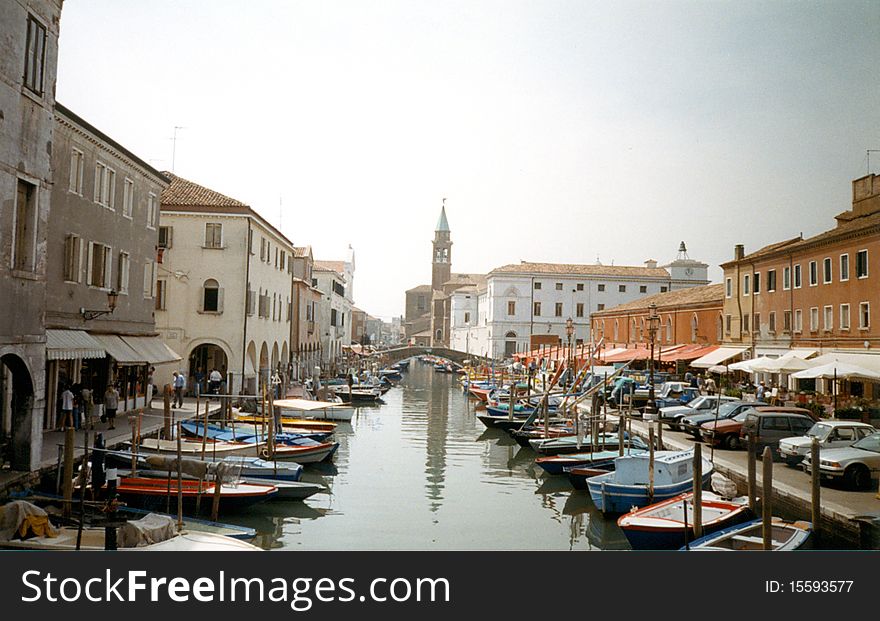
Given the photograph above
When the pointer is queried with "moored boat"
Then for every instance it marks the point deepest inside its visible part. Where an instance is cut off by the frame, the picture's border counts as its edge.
(303, 452)
(627, 486)
(661, 526)
(154, 492)
(785, 536)
(557, 464)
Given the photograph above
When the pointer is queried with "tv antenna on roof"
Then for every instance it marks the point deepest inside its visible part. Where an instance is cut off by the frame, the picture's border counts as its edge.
(174, 146)
(868, 153)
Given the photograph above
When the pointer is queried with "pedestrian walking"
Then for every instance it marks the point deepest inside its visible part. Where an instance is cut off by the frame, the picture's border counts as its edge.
(711, 388)
(87, 400)
(214, 381)
(111, 404)
(66, 408)
(179, 384)
(760, 392)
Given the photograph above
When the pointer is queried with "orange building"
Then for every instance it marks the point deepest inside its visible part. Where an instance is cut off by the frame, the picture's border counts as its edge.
(690, 324)
(820, 293)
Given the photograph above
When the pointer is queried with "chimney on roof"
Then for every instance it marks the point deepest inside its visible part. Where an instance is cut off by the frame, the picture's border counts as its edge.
(739, 251)
(650, 264)
(866, 195)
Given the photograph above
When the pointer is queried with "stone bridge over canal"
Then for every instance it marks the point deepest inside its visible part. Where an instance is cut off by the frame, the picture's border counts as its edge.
(390, 356)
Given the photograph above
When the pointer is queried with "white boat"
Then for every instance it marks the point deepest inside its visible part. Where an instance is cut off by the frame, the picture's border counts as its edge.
(193, 448)
(325, 410)
(151, 533)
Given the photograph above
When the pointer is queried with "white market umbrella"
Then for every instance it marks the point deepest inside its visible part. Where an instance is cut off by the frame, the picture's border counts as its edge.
(837, 370)
(789, 363)
(749, 366)
(719, 369)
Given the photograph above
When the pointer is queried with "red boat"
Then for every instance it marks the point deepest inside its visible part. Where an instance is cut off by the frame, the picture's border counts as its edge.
(305, 452)
(151, 492)
(481, 393)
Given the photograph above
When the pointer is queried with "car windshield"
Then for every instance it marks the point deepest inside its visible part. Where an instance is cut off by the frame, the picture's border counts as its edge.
(726, 408)
(697, 403)
(742, 415)
(871, 443)
(819, 431)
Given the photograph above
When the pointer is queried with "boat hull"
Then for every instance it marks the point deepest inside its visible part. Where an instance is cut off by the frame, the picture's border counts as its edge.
(610, 497)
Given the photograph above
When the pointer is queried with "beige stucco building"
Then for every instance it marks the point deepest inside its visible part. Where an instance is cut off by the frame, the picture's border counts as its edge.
(224, 287)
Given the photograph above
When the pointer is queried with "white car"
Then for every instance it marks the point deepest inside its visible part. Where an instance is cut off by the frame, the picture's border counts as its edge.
(673, 414)
(830, 433)
(857, 465)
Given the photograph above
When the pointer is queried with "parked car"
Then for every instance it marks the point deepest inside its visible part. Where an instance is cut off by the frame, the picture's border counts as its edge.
(676, 393)
(857, 465)
(672, 415)
(724, 432)
(830, 433)
(772, 424)
(728, 409)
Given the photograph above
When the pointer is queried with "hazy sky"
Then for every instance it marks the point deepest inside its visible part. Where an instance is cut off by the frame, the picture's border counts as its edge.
(557, 131)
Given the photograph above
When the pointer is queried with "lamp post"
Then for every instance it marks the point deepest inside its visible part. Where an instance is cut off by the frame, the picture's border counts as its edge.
(653, 326)
(569, 331)
(112, 298)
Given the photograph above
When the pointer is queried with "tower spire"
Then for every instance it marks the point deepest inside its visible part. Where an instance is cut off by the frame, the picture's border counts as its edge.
(442, 223)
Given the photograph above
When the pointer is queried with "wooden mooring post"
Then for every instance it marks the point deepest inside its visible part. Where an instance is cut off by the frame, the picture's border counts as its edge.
(69, 439)
(166, 418)
(815, 488)
(659, 435)
(766, 500)
(698, 491)
(621, 431)
(651, 463)
(753, 477)
(179, 480)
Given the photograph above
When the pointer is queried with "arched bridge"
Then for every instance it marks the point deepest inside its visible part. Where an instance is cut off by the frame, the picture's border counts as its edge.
(390, 356)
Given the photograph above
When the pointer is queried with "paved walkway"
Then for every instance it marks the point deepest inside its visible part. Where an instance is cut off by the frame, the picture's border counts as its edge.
(151, 421)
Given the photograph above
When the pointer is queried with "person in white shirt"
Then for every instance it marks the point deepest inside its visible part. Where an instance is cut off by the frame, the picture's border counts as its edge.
(66, 408)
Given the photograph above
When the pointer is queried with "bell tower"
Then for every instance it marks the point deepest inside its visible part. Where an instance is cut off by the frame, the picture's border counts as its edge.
(441, 263)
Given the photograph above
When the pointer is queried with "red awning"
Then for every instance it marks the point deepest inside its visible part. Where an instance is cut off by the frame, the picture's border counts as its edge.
(690, 352)
(661, 354)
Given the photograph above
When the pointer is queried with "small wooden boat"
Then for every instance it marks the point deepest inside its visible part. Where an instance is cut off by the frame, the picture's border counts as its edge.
(247, 435)
(556, 464)
(154, 492)
(356, 395)
(749, 536)
(324, 410)
(193, 448)
(569, 444)
(578, 475)
(303, 452)
(288, 490)
(481, 393)
(290, 421)
(257, 468)
(661, 526)
(627, 485)
(493, 421)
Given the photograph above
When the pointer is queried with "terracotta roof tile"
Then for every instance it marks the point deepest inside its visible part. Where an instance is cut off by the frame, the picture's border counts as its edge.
(680, 297)
(184, 193)
(333, 266)
(573, 269)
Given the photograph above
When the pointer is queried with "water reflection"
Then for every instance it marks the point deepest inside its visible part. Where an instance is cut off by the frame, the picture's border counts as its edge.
(422, 473)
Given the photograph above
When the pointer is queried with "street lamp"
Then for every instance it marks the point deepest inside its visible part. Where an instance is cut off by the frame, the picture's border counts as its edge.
(653, 326)
(112, 298)
(569, 331)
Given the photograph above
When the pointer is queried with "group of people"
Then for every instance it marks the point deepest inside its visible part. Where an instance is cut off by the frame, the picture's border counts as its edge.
(703, 384)
(78, 405)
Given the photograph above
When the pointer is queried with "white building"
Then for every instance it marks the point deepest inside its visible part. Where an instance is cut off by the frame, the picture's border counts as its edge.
(526, 305)
(224, 286)
(335, 281)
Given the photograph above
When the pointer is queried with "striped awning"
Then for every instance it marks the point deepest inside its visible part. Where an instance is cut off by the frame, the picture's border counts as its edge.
(72, 344)
(119, 350)
(717, 357)
(153, 348)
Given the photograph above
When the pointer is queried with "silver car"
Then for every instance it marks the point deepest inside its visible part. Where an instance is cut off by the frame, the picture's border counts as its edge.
(672, 415)
(857, 465)
(830, 433)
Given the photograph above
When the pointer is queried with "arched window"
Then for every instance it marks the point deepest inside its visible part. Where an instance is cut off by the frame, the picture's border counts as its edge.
(616, 331)
(643, 335)
(510, 335)
(669, 329)
(602, 330)
(634, 331)
(719, 330)
(694, 326)
(509, 344)
(212, 297)
(439, 335)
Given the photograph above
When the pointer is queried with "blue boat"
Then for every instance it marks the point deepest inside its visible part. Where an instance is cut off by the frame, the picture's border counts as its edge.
(559, 464)
(627, 486)
(215, 432)
(785, 536)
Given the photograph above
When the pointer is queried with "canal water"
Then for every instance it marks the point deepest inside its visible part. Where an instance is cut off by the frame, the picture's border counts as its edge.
(421, 472)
